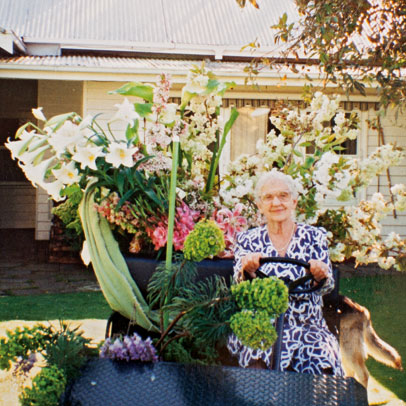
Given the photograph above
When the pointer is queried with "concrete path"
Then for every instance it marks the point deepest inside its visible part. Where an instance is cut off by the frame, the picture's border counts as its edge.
(22, 277)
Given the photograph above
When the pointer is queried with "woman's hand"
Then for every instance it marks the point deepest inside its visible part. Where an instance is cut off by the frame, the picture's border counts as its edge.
(318, 269)
(249, 263)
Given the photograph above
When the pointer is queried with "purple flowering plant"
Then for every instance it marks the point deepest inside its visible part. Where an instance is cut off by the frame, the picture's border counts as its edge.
(129, 348)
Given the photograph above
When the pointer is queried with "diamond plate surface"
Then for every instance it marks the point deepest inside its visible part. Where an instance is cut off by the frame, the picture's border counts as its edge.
(111, 383)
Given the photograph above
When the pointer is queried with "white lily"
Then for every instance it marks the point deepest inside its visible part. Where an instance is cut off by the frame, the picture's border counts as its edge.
(17, 146)
(85, 254)
(197, 85)
(86, 122)
(87, 156)
(54, 189)
(29, 157)
(38, 114)
(67, 174)
(66, 138)
(126, 112)
(120, 154)
(36, 173)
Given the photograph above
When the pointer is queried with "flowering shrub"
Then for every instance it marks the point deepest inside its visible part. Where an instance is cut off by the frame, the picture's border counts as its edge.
(355, 230)
(131, 170)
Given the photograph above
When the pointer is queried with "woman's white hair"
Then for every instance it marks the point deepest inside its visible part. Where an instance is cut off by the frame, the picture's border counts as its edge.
(274, 174)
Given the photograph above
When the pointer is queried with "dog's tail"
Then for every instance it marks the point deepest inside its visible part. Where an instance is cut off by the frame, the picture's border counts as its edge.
(379, 349)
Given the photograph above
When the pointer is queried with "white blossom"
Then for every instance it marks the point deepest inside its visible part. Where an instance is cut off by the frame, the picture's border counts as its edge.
(38, 114)
(119, 154)
(126, 112)
(87, 156)
(67, 173)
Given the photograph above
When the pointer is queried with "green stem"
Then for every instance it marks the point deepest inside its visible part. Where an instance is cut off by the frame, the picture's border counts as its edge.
(171, 214)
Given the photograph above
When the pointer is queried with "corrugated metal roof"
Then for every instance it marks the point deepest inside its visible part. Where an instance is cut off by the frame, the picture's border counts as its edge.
(172, 22)
(127, 63)
(113, 68)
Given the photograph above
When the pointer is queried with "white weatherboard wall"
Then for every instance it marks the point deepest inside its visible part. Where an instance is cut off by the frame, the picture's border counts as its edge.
(97, 100)
(394, 132)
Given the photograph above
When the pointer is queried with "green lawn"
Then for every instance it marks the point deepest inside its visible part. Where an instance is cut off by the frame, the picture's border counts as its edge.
(385, 298)
(62, 306)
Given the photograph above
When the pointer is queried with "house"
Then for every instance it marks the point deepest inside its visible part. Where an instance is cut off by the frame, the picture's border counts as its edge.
(65, 55)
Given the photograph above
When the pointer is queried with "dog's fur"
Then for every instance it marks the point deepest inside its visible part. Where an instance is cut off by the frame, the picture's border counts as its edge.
(358, 339)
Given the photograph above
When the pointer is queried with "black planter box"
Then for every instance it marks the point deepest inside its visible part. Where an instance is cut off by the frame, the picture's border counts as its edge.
(111, 383)
(141, 269)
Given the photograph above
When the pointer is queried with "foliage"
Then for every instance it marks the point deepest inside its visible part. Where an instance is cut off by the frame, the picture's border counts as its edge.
(68, 212)
(22, 342)
(260, 301)
(357, 43)
(47, 388)
(205, 312)
(205, 241)
(64, 352)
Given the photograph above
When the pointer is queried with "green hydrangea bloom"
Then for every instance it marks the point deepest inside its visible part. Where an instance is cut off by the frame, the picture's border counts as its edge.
(260, 301)
(268, 294)
(254, 328)
(205, 241)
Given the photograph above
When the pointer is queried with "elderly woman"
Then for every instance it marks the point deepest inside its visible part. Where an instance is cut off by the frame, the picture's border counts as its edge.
(308, 346)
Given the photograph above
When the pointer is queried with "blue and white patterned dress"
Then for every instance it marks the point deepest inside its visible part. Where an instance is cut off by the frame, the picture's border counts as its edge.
(308, 346)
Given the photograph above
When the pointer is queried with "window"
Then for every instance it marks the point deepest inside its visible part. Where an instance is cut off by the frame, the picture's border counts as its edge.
(246, 132)
(9, 170)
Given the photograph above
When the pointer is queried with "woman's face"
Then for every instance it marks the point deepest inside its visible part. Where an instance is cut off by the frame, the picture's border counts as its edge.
(276, 202)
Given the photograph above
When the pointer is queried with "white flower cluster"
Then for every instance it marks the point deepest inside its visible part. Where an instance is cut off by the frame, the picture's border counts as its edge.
(331, 179)
(51, 159)
(378, 162)
(324, 109)
(204, 125)
(274, 149)
(399, 193)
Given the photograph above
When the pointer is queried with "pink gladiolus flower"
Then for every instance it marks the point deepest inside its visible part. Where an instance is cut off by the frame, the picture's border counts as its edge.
(159, 236)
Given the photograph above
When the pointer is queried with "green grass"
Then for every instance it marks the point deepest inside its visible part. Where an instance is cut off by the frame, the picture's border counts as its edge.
(62, 306)
(385, 298)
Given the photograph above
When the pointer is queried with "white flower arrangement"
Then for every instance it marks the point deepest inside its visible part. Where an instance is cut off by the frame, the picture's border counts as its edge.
(132, 168)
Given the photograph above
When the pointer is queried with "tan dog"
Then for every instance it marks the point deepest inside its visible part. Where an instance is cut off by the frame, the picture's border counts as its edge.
(358, 339)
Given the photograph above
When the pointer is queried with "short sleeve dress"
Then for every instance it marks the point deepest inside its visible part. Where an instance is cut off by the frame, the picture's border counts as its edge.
(308, 346)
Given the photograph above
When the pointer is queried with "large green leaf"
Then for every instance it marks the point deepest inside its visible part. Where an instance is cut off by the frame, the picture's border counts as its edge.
(127, 195)
(143, 109)
(152, 195)
(213, 167)
(137, 89)
(120, 178)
